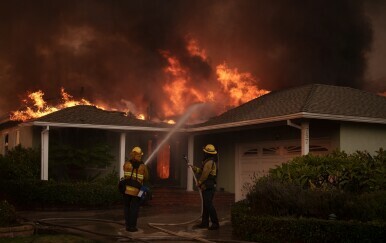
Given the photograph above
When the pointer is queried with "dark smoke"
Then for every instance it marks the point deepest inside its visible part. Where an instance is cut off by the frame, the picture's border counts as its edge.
(110, 50)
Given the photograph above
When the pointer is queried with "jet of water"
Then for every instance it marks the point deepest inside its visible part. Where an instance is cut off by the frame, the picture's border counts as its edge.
(180, 122)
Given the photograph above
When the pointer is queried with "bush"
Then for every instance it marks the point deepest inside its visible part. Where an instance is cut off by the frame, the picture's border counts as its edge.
(272, 197)
(7, 214)
(20, 164)
(248, 226)
(70, 163)
(359, 172)
(29, 194)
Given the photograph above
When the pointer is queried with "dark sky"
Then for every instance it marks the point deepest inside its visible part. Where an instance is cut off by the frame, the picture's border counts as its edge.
(111, 51)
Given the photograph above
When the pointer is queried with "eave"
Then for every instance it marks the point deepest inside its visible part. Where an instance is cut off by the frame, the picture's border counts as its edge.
(300, 115)
(95, 126)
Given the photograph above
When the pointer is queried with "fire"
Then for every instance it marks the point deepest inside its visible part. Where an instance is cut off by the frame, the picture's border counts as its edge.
(241, 87)
(141, 117)
(235, 87)
(194, 49)
(177, 87)
(41, 108)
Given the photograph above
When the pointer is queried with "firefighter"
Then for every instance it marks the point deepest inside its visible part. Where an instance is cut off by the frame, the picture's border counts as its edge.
(135, 173)
(207, 184)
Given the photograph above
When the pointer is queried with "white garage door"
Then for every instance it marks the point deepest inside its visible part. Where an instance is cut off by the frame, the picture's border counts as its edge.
(255, 160)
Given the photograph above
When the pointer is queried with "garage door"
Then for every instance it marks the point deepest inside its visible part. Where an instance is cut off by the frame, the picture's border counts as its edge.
(255, 160)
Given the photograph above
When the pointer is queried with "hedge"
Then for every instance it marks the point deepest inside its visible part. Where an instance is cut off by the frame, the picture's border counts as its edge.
(262, 229)
(33, 194)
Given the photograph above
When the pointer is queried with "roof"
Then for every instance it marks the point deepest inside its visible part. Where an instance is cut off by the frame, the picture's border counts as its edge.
(308, 101)
(92, 117)
(314, 101)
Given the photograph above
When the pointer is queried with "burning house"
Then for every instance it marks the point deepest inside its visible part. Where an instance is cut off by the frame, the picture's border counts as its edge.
(250, 138)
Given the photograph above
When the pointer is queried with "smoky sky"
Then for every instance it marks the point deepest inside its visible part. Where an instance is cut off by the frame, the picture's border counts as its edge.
(110, 51)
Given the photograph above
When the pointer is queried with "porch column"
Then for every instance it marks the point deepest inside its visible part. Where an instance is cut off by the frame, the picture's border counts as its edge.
(122, 153)
(189, 182)
(44, 154)
(305, 128)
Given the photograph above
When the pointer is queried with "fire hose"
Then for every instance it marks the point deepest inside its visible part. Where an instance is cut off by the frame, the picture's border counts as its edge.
(137, 239)
(157, 225)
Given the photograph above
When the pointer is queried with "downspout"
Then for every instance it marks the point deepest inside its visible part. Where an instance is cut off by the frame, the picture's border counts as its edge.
(189, 177)
(305, 135)
(44, 153)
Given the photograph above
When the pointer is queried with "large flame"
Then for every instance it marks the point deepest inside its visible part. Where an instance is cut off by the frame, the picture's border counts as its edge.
(229, 88)
(232, 87)
(241, 87)
(41, 108)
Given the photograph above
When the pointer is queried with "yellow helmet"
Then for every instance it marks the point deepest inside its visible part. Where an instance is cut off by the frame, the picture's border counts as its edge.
(210, 149)
(137, 150)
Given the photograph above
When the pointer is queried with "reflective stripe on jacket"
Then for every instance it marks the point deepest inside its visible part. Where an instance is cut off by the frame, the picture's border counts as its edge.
(138, 176)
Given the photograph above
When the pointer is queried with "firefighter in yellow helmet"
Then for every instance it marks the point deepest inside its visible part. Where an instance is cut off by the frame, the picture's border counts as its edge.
(207, 185)
(135, 173)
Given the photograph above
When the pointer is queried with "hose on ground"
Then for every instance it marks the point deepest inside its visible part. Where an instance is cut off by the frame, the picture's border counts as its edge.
(157, 225)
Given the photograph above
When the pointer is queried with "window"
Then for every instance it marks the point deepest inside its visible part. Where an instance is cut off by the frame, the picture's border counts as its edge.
(251, 152)
(270, 150)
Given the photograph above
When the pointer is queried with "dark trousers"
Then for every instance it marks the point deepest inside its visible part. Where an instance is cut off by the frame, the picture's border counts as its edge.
(131, 208)
(208, 209)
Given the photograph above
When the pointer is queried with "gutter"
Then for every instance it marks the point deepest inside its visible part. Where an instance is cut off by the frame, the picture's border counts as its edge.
(299, 115)
(106, 127)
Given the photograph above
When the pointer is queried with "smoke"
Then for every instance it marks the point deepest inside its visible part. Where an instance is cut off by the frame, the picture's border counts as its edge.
(112, 50)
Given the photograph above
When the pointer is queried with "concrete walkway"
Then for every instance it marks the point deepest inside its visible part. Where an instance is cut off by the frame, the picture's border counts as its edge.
(108, 225)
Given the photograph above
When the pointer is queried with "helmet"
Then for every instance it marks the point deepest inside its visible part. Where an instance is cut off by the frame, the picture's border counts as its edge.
(210, 149)
(137, 150)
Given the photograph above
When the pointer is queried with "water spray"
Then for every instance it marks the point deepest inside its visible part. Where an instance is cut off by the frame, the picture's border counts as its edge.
(182, 121)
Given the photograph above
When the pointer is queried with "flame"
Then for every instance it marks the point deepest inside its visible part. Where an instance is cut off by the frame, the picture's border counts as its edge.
(194, 49)
(235, 87)
(177, 87)
(141, 117)
(41, 107)
(241, 87)
(382, 94)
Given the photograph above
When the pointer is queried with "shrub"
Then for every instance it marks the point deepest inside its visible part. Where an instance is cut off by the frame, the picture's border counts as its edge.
(7, 214)
(269, 196)
(20, 164)
(31, 194)
(69, 163)
(358, 172)
(248, 226)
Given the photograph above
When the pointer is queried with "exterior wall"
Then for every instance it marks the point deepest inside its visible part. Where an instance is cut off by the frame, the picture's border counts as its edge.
(227, 144)
(361, 136)
(16, 136)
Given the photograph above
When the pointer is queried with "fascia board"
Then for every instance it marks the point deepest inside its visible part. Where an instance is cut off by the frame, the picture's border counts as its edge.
(304, 115)
(245, 123)
(94, 126)
(344, 118)
(299, 115)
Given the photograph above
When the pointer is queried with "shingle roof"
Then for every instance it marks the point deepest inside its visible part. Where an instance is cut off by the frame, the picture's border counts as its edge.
(313, 98)
(85, 114)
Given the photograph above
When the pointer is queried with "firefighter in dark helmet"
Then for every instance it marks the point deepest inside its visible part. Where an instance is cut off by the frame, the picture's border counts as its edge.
(135, 172)
(207, 184)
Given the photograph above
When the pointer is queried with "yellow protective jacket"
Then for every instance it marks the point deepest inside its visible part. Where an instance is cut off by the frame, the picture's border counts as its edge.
(208, 174)
(135, 172)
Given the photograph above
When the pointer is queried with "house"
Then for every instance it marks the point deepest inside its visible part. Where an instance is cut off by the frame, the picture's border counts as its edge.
(251, 138)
